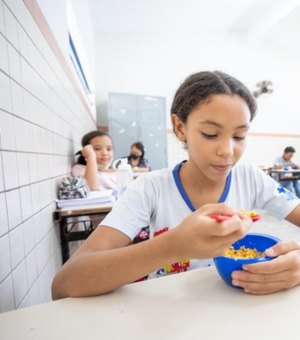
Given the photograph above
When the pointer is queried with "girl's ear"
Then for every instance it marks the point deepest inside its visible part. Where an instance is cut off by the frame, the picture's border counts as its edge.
(178, 128)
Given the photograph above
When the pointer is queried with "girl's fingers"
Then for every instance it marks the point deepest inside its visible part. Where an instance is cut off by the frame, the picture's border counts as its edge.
(263, 283)
(276, 265)
(282, 248)
(287, 261)
(260, 288)
(255, 278)
(222, 212)
(280, 273)
(234, 226)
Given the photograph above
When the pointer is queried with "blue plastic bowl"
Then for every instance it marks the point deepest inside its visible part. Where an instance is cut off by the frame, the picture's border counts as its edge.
(226, 265)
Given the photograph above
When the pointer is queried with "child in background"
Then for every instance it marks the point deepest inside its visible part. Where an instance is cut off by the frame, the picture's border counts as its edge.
(211, 115)
(137, 158)
(94, 161)
(286, 161)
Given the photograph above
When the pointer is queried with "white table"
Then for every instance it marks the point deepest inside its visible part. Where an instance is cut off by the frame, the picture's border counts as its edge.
(190, 305)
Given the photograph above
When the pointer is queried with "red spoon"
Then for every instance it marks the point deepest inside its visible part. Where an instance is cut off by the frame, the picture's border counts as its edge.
(221, 218)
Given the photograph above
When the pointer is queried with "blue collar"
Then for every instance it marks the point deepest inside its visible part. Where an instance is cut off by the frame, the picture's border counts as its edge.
(184, 194)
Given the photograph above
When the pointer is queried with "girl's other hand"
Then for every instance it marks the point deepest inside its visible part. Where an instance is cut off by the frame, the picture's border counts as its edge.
(281, 273)
(88, 152)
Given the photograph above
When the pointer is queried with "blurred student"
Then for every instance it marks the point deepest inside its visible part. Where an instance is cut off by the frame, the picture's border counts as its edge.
(285, 161)
(137, 158)
(94, 161)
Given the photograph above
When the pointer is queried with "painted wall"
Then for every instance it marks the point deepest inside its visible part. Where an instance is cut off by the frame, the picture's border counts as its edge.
(156, 65)
(58, 13)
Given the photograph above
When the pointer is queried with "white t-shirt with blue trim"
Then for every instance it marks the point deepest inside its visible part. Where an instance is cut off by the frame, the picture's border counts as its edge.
(157, 199)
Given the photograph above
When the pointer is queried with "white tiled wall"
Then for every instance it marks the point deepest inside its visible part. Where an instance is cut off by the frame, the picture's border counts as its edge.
(41, 122)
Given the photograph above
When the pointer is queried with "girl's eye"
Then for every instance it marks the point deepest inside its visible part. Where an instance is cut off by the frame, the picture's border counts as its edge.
(209, 136)
(239, 138)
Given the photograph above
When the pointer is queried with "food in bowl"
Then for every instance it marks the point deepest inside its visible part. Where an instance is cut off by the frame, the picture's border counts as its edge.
(243, 253)
(225, 265)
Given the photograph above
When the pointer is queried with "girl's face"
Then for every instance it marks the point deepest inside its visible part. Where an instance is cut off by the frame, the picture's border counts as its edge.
(215, 133)
(104, 151)
(135, 152)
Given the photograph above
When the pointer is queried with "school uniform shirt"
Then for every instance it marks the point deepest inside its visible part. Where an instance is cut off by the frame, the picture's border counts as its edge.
(281, 161)
(158, 200)
(107, 179)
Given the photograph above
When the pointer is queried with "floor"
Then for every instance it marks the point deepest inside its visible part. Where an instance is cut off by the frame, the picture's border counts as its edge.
(282, 229)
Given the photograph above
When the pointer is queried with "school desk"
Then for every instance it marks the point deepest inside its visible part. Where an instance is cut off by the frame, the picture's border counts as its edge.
(286, 175)
(69, 219)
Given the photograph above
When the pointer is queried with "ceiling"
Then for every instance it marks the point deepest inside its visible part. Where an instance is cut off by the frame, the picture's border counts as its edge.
(277, 21)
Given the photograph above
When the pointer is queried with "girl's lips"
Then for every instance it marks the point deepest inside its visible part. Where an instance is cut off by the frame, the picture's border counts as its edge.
(104, 161)
(222, 168)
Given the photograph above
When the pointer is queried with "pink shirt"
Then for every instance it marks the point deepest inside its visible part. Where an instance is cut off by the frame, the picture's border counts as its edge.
(108, 179)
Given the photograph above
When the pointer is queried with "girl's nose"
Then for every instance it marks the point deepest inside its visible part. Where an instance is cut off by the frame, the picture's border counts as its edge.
(225, 148)
(104, 152)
